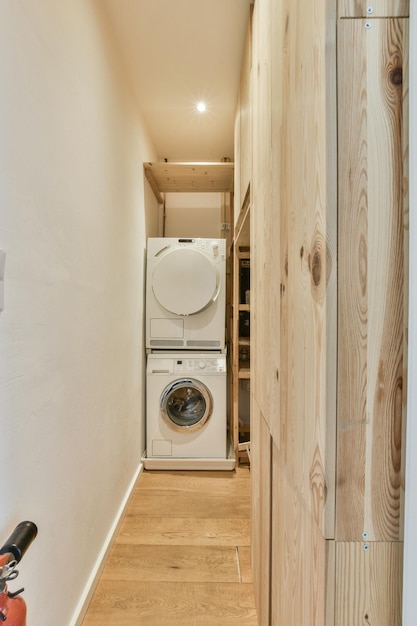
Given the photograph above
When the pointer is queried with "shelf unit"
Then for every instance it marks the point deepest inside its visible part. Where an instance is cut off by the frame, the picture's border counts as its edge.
(240, 341)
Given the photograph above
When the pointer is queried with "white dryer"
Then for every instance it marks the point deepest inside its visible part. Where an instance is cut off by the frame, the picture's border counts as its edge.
(186, 409)
(185, 294)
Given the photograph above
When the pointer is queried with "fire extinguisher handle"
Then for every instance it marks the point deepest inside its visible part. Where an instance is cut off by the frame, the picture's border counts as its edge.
(20, 540)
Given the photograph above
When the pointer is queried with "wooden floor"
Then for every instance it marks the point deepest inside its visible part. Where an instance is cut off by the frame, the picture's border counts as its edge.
(182, 555)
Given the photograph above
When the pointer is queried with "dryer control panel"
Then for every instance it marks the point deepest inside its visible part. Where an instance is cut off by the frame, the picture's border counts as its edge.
(212, 247)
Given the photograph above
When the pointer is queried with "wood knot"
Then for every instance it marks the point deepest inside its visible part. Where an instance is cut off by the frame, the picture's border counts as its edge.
(302, 252)
(396, 76)
(316, 268)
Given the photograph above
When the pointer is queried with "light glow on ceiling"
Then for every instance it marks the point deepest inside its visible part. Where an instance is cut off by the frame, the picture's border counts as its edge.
(201, 107)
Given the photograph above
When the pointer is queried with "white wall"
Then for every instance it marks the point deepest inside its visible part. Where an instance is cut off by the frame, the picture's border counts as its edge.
(72, 223)
(410, 545)
(193, 215)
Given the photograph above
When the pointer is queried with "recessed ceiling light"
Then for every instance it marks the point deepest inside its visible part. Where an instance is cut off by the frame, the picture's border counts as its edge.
(201, 107)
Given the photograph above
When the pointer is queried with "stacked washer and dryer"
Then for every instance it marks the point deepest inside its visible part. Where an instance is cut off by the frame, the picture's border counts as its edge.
(186, 404)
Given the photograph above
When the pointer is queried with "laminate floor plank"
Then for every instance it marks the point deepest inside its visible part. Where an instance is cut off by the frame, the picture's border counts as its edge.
(129, 603)
(196, 505)
(183, 531)
(182, 554)
(210, 483)
(172, 563)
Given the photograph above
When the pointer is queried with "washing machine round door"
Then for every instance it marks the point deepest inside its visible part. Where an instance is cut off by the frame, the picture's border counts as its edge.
(185, 281)
(186, 404)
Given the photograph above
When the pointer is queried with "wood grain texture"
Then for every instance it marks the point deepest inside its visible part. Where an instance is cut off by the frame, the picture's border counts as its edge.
(298, 572)
(188, 570)
(265, 291)
(213, 507)
(168, 563)
(184, 531)
(303, 205)
(192, 177)
(366, 592)
(245, 129)
(380, 8)
(130, 603)
(244, 559)
(372, 95)
(261, 513)
(293, 228)
(181, 483)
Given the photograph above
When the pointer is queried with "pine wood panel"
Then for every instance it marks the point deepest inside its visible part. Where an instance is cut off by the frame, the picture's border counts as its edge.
(368, 583)
(237, 192)
(307, 255)
(245, 117)
(184, 177)
(372, 95)
(261, 513)
(293, 226)
(130, 603)
(380, 8)
(298, 573)
(264, 227)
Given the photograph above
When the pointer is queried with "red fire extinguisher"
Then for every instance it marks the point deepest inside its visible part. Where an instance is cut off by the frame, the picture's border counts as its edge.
(12, 605)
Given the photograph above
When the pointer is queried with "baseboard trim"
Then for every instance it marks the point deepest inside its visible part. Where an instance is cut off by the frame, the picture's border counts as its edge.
(81, 609)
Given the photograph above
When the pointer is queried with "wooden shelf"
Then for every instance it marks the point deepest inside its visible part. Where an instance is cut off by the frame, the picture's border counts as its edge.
(188, 177)
(239, 344)
(244, 373)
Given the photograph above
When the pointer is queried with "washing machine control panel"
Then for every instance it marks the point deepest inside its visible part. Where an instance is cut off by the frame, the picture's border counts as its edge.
(188, 365)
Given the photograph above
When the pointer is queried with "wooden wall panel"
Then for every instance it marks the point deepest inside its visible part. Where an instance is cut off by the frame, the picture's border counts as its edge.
(307, 269)
(246, 117)
(261, 513)
(368, 583)
(264, 228)
(298, 568)
(237, 159)
(293, 232)
(372, 100)
(374, 8)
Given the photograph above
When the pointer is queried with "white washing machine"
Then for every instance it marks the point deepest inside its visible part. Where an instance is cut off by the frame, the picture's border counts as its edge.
(186, 411)
(185, 294)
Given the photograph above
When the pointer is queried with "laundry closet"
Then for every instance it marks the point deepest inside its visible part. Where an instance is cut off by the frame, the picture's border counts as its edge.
(189, 322)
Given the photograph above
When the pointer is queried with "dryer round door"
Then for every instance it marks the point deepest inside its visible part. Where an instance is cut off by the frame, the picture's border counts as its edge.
(185, 281)
(186, 404)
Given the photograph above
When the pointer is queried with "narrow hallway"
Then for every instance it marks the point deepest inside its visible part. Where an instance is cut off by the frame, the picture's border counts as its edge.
(182, 555)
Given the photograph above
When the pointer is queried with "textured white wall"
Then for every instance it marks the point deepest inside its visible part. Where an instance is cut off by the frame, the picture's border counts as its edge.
(72, 223)
(193, 215)
(410, 544)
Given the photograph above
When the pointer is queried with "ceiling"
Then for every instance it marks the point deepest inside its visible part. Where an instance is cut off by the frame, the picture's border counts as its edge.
(180, 52)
